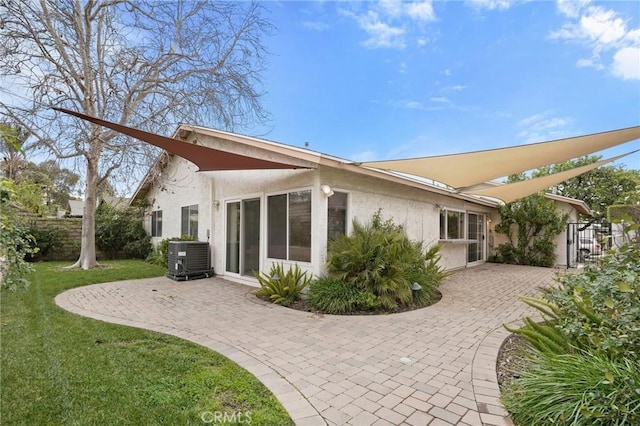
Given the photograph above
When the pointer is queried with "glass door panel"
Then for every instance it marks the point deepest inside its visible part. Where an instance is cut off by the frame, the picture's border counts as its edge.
(475, 235)
(233, 237)
(251, 236)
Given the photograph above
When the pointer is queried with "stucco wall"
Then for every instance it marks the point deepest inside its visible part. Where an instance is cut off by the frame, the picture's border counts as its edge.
(561, 239)
(416, 210)
(179, 186)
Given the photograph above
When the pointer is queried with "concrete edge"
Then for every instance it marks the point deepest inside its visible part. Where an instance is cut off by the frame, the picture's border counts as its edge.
(484, 379)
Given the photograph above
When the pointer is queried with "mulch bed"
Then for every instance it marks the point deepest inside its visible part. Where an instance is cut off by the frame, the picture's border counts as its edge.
(512, 360)
(300, 305)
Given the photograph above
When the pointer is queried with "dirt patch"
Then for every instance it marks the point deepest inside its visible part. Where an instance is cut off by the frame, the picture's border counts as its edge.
(513, 358)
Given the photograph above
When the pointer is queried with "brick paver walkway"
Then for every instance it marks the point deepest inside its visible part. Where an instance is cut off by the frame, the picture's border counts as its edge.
(343, 370)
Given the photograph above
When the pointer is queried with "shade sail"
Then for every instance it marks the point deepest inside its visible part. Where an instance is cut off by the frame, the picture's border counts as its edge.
(514, 191)
(207, 159)
(468, 169)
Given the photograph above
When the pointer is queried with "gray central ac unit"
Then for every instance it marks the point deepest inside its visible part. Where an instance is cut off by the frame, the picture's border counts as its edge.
(189, 260)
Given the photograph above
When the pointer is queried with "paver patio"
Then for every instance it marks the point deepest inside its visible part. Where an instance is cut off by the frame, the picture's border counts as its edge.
(343, 370)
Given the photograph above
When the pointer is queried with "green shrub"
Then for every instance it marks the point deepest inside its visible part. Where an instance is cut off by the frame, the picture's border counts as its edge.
(160, 256)
(15, 242)
(120, 229)
(379, 258)
(530, 225)
(332, 296)
(365, 301)
(46, 239)
(282, 288)
(585, 368)
(600, 308)
(578, 389)
(597, 310)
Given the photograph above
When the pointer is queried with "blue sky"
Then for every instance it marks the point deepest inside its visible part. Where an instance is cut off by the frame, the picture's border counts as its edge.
(383, 80)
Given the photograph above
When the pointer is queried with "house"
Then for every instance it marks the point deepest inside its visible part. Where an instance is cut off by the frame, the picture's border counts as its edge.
(259, 202)
(256, 217)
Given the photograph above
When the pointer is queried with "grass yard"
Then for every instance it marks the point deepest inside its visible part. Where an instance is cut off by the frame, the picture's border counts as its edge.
(63, 369)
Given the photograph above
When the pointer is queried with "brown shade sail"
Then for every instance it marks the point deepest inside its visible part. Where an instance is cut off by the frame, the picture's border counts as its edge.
(514, 191)
(207, 159)
(468, 169)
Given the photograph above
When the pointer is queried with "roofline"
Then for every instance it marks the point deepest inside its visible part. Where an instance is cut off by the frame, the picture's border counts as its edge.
(579, 205)
(317, 158)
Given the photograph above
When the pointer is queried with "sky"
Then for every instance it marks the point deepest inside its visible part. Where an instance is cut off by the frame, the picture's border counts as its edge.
(383, 80)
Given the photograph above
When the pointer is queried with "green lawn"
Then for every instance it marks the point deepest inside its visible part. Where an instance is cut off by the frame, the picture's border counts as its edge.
(62, 369)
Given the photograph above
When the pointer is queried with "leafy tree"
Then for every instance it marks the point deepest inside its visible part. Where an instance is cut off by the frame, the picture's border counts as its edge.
(144, 63)
(15, 242)
(57, 183)
(599, 188)
(531, 225)
(12, 148)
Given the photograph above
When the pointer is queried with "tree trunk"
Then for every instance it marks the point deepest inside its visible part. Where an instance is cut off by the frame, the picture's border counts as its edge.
(87, 258)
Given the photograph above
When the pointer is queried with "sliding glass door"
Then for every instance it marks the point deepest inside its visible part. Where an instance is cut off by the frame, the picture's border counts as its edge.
(243, 236)
(475, 237)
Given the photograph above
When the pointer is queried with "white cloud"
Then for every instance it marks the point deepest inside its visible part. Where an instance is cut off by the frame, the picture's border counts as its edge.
(388, 22)
(409, 104)
(626, 63)
(447, 72)
(572, 8)
(380, 33)
(440, 99)
(315, 25)
(541, 127)
(491, 4)
(458, 87)
(420, 11)
(590, 63)
(604, 32)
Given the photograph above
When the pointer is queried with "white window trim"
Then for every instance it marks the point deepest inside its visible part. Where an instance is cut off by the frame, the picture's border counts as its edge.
(286, 192)
(348, 220)
(462, 240)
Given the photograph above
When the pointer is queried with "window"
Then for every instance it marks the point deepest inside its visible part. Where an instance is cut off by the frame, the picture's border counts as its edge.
(156, 223)
(289, 226)
(451, 225)
(190, 221)
(336, 215)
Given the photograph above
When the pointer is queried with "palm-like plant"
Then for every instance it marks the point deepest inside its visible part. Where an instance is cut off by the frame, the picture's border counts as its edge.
(379, 257)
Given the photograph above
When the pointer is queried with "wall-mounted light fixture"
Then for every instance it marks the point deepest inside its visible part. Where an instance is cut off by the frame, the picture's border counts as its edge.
(326, 190)
(216, 203)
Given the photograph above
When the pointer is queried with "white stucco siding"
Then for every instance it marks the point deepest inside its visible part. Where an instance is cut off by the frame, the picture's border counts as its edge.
(418, 211)
(230, 186)
(179, 185)
(561, 239)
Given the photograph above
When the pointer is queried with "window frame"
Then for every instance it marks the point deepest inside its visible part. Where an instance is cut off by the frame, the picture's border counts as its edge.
(346, 214)
(287, 222)
(462, 236)
(156, 223)
(191, 210)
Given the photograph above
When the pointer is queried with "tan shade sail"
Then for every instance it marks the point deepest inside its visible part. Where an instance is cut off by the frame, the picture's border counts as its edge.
(205, 158)
(468, 169)
(514, 191)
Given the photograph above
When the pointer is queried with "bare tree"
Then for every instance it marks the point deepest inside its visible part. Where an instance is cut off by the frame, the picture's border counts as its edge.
(143, 63)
